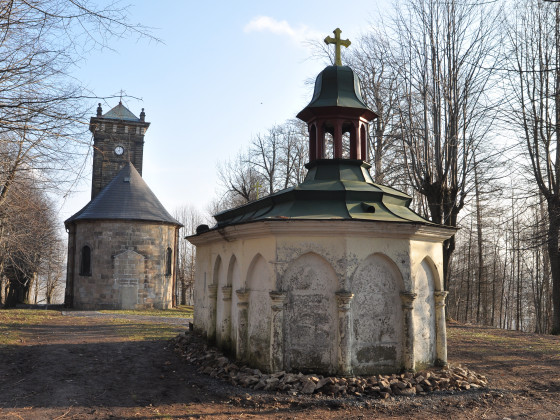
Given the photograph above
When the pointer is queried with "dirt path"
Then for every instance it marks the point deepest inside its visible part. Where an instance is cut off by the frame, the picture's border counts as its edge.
(95, 368)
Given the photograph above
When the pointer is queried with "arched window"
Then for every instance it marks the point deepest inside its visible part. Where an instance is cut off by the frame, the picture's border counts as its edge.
(168, 261)
(85, 261)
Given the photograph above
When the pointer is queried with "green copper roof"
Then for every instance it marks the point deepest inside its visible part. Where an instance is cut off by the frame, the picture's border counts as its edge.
(120, 112)
(337, 86)
(333, 189)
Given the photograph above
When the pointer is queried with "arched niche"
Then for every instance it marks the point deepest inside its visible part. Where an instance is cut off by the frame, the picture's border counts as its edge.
(423, 313)
(234, 281)
(223, 310)
(233, 275)
(216, 270)
(378, 323)
(310, 319)
(260, 283)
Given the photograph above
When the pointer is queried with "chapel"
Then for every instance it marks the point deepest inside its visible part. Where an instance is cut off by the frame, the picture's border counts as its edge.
(337, 275)
(122, 245)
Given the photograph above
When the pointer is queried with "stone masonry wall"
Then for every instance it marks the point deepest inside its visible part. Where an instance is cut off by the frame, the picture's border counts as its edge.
(127, 265)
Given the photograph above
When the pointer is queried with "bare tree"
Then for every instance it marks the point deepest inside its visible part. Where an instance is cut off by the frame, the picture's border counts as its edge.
(371, 61)
(274, 161)
(534, 99)
(190, 218)
(41, 104)
(241, 182)
(444, 107)
(30, 241)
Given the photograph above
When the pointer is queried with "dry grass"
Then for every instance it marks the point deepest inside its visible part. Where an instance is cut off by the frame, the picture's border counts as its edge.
(182, 311)
(12, 321)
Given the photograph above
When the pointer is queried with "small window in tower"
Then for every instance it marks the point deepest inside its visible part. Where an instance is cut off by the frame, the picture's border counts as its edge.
(168, 261)
(114, 128)
(85, 261)
(137, 130)
(126, 129)
(102, 127)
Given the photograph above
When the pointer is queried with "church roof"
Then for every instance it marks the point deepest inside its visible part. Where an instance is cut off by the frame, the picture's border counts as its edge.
(334, 189)
(126, 197)
(120, 112)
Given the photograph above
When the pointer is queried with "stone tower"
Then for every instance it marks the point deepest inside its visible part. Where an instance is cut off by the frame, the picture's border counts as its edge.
(118, 138)
(122, 246)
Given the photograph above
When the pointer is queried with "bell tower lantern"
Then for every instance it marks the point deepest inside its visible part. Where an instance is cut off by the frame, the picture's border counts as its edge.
(337, 108)
(118, 138)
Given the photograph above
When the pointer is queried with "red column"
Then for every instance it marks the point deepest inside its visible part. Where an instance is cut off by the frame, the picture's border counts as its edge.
(312, 142)
(320, 139)
(337, 139)
(363, 142)
(354, 149)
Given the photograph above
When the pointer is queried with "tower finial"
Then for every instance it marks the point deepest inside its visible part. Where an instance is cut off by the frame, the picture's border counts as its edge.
(120, 99)
(337, 43)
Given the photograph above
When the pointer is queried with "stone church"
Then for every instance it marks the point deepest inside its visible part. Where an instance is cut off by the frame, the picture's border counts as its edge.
(122, 245)
(336, 275)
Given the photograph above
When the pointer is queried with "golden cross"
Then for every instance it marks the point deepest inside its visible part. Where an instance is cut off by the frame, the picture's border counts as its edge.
(337, 43)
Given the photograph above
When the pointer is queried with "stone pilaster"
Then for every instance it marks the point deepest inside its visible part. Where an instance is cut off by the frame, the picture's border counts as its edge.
(343, 300)
(407, 299)
(212, 309)
(276, 331)
(441, 334)
(226, 327)
(241, 350)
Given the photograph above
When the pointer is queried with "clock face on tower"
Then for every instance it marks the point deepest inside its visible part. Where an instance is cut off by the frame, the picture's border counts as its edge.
(119, 150)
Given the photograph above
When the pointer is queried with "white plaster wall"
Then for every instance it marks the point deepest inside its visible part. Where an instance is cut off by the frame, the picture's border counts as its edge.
(311, 267)
(434, 251)
(260, 283)
(203, 271)
(396, 250)
(311, 327)
(377, 316)
(221, 316)
(424, 316)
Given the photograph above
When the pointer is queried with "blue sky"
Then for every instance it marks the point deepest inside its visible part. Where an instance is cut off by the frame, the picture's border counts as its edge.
(224, 72)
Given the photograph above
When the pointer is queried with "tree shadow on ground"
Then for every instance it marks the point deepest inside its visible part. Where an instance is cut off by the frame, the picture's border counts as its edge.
(94, 365)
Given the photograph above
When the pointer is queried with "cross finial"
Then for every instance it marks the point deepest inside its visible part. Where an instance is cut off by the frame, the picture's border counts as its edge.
(337, 43)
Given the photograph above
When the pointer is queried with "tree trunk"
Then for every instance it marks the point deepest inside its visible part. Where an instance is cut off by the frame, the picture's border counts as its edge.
(479, 242)
(554, 260)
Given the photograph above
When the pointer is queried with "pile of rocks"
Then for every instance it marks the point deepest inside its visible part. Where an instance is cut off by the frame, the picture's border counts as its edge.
(212, 362)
